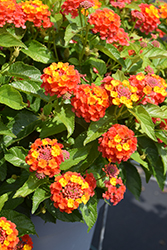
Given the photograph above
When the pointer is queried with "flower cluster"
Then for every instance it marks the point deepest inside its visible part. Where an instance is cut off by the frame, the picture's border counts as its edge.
(25, 243)
(118, 143)
(8, 234)
(163, 10)
(69, 190)
(45, 157)
(120, 92)
(151, 88)
(120, 3)
(108, 23)
(147, 18)
(60, 78)
(90, 102)
(37, 12)
(115, 190)
(72, 6)
(11, 13)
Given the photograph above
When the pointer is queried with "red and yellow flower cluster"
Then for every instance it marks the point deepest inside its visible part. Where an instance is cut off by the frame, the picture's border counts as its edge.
(25, 243)
(151, 88)
(107, 23)
(45, 157)
(8, 234)
(70, 190)
(37, 13)
(60, 78)
(90, 102)
(72, 6)
(115, 187)
(120, 92)
(147, 18)
(33, 11)
(118, 143)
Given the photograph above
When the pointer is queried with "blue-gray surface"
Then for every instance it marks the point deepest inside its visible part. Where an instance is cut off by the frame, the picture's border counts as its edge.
(133, 224)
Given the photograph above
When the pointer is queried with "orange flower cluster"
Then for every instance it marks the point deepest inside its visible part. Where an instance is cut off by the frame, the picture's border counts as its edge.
(69, 190)
(45, 157)
(72, 6)
(151, 88)
(118, 143)
(147, 19)
(108, 23)
(60, 78)
(8, 234)
(115, 190)
(120, 3)
(36, 12)
(25, 243)
(163, 10)
(11, 13)
(90, 102)
(120, 92)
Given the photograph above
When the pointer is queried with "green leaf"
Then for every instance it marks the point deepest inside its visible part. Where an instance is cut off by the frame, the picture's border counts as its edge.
(163, 154)
(89, 212)
(55, 212)
(24, 225)
(57, 20)
(39, 196)
(119, 75)
(52, 127)
(136, 157)
(3, 169)
(16, 156)
(112, 52)
(3, 199)
(156, 53)
(133, 6)
(8, 40)
(155, 111)
(133, 180)
(11, 97)
(98, 64)
(67, 117)
(76, 155)
(5, 131)
(25, 71)
(154, 160)
(71, 30)
(96, 129)
(38, 52)
(29, 186)
(145, 121)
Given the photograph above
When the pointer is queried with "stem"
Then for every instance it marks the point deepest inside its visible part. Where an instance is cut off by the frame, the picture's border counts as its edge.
(84, 44)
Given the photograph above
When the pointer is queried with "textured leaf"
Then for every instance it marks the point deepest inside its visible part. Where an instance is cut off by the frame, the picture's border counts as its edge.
(145, 121)
(16, 156)
(38, 52)
(71, 30)
(136, 157)
(9, 40)
(52, 127)
(133, 180)
(23, 223)
(11, 97)
(119, 75)
(5, 131)
(89, 212)
(3, 199)
(155, 111)
(163, 154)
(98, 64)
(25, 71)
(39, 196)
(112, 52)
(29, 186)
(156, 53)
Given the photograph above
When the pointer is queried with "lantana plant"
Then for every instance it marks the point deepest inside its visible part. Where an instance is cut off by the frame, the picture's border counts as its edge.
(83, 105)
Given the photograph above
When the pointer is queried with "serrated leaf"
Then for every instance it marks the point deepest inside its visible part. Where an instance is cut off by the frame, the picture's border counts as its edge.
(136, 157)
(133, 180)
(67, 117)
(155, 111)
(89, 212)
(98, 64)
(119, 75)
(24, 225)
(29, 186)
(25, 71)
(71, 30)
(8, 40)
(38, 52)
(3, 199)
(145, 121)
(39, 196)
(156, 53)
(11, 97)
(112, 52)
(76, 155)
(16, 156)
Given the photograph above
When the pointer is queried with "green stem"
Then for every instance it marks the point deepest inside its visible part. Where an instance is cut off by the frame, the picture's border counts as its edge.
(84, 44)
